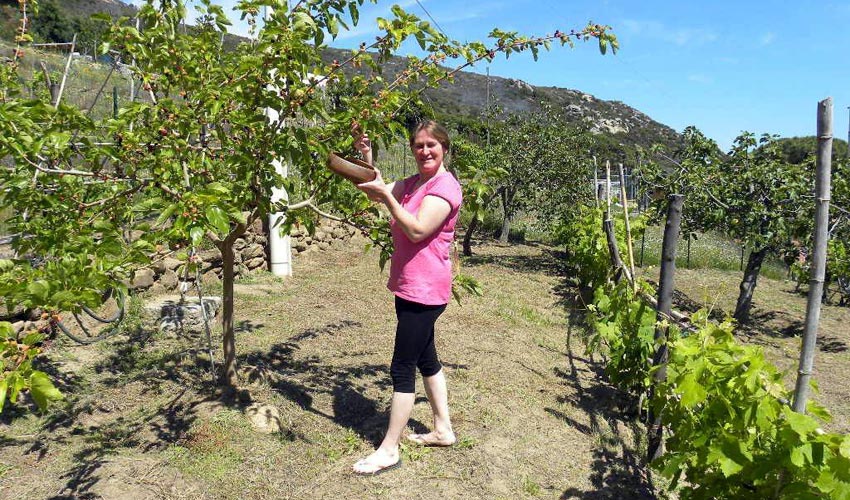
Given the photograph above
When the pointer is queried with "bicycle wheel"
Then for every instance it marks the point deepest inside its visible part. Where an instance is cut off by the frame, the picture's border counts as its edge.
(92, 325)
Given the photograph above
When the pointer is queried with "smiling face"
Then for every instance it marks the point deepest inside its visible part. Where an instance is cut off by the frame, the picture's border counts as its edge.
(429, 153)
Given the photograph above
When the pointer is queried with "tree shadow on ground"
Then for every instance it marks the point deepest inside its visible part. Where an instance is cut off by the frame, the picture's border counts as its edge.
(618, 469)
(302, 380)
(552, 262)
(104, 431)
(102, 425)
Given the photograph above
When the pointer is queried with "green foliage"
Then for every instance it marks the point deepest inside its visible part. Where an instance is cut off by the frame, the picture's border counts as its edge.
(731, 431)
(17, 374)
(801, 149)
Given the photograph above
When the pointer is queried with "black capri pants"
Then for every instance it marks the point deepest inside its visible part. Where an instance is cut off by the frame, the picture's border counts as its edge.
(414, 344)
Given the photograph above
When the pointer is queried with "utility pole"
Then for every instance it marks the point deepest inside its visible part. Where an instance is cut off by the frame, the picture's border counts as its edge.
(487, 109)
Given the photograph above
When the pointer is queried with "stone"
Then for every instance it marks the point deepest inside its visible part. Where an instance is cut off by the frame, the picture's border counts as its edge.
(158, 266)
(142, 279)
(340, 233)
(324, 245)
(255, 262)
(299, 245)
(169, 280)
(210, 277)
(16, 312)
(239, 244)
(170, 315)
(264, 418)
(257, 226)
(18, 326)
(261, 240)
(171, 263)
(253, 252)
(134, 235)
(320, 235)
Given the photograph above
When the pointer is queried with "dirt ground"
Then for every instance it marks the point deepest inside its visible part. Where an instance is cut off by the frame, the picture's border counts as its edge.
(534, 416)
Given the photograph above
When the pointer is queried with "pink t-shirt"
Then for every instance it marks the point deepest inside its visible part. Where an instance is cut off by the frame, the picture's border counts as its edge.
(422, 272)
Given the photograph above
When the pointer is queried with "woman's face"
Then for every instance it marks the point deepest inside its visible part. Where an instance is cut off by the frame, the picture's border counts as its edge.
(428, 152)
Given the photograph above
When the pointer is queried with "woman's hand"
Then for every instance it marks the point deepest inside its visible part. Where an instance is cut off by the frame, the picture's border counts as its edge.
(362, 142)
(377, 189)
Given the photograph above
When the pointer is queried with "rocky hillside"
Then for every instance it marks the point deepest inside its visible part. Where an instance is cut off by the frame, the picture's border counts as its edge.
(619, 126)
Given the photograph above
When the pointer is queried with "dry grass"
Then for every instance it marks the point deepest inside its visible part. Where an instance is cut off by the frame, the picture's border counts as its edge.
(534, 417)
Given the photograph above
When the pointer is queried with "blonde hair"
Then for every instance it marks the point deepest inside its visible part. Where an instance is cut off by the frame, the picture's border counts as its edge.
(435, 130)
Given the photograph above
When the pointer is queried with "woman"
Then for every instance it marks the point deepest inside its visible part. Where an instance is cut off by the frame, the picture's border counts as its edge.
(424, 209)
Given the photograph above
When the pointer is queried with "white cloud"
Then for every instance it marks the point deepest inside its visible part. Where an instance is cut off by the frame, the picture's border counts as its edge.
(678, 36)
(700, 78)
(767, 39)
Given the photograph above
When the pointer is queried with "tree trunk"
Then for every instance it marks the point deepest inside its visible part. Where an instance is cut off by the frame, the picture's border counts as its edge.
(229, 379)
(467, 238)
(473, 224)
(748, 285)
(506, 221)
(228, 371)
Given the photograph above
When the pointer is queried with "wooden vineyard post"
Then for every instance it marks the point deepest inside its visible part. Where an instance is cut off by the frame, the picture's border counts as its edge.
(665, 306)
(610, 236)
(813, 305)
(625, 201)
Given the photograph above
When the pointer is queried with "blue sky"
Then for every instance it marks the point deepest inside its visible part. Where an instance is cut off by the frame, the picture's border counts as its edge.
(723, 66)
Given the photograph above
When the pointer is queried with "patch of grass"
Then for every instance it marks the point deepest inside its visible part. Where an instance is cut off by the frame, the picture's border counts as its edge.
(337, 446)
(209, 451)
(530, 487)
(707, 251)
(414, 453)
(5, 468)
(466, 443)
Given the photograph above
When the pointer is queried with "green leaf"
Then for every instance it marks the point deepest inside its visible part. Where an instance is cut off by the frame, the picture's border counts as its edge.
(813, 408)
(844, 449)
(801, 424)
(355, 14)
(218, 219)
(42, 389)
(729, 467)
(800, 453)
(197, 234)
(3, 387)
(692, 391)
(39, 289)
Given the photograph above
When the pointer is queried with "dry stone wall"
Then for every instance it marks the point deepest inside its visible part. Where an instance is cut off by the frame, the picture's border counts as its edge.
(250, 253)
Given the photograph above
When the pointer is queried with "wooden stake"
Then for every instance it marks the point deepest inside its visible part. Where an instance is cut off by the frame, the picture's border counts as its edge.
(67, 67)
(625, 201)
(665, 306)
(813, 305)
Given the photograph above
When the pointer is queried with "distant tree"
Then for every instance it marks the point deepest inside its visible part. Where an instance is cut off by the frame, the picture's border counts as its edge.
(799, 149)
(51, 24)
(542, 155)
(751, 194)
